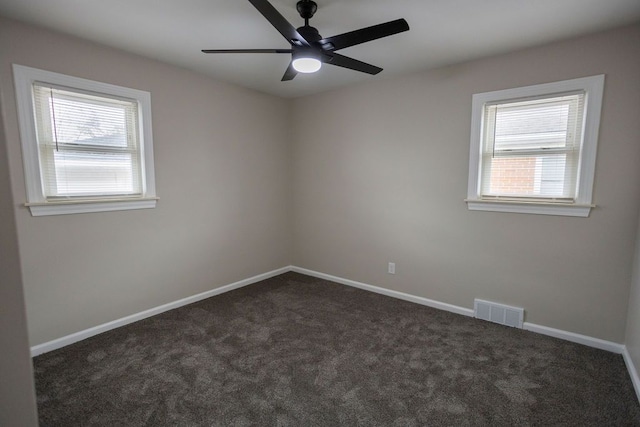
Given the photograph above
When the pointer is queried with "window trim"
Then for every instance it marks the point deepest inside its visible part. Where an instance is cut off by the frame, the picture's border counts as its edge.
(24, 77)
(593, 87)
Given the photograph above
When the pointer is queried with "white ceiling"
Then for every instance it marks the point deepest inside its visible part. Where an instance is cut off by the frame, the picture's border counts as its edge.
(442, 32)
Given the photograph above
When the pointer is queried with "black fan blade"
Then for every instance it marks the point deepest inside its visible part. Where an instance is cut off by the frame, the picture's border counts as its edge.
(353, 64)
(282, 25)
(364, 35)
(247, 50)
(290, 74)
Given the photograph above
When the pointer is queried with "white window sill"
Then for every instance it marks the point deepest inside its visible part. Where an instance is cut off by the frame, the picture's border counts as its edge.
(536, 208)
(64, 207)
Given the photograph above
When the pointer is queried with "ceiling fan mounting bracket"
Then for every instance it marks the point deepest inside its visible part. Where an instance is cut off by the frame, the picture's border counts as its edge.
(306, 9)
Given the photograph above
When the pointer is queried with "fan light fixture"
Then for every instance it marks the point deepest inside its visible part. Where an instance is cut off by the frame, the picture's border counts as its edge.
(306, 65)
(306, 60)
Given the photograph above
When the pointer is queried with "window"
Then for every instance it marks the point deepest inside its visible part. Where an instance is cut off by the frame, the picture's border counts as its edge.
(533, 149)
(86, 145)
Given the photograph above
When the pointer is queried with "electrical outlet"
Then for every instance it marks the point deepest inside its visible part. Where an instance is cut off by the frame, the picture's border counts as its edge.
(392, 268)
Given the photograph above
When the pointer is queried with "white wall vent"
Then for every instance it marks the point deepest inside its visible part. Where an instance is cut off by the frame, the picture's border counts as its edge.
(498, 313)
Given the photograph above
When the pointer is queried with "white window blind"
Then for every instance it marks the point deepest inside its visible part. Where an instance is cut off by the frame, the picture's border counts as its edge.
(88, 144)
(531, 148)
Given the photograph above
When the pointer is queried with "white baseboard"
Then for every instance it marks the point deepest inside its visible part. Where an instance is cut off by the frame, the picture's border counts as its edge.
(633, 373)
(395, 294)
(87, 333)
(557, 333)
(577, 338)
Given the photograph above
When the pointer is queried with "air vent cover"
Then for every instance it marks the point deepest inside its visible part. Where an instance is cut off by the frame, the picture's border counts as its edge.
(499, 313)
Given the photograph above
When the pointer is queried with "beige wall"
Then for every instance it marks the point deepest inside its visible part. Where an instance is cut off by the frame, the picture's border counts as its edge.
(222, 173)
(380, 173)
(17, 395)
(632, 339)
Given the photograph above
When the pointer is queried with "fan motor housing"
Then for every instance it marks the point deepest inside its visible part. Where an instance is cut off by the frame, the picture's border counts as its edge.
(309, 33)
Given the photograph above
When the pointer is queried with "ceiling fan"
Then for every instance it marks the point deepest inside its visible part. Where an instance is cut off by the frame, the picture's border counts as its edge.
(309, 49)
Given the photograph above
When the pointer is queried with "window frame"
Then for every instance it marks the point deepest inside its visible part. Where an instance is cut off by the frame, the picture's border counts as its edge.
(581, 205)
(24, 78)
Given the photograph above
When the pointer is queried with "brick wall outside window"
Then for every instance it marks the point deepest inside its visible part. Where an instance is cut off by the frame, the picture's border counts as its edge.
(513, 175)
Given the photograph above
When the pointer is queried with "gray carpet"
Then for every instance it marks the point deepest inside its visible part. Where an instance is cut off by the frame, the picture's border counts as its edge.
(300, 351)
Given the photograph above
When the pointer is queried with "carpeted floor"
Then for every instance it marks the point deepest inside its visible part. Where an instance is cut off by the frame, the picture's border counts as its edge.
(300, 351)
